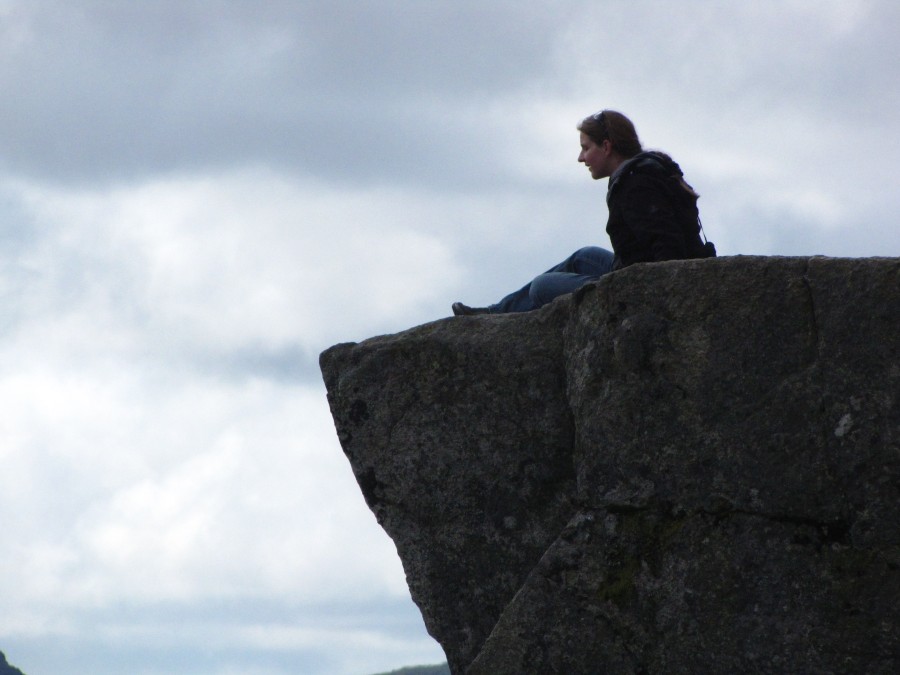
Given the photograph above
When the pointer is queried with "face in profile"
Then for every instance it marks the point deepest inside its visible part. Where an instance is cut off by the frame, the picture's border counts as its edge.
(596, 157)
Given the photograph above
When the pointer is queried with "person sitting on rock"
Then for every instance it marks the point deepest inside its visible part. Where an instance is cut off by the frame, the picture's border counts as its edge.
(652, 215)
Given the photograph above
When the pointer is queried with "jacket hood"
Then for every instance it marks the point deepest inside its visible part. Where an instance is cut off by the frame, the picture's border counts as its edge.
(649, 161)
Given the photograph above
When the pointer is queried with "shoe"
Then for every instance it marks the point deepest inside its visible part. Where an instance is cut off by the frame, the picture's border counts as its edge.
(460, 309)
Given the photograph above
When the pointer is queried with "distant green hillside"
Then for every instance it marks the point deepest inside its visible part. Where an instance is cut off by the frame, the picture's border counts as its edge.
(6, 669)
(442, 669)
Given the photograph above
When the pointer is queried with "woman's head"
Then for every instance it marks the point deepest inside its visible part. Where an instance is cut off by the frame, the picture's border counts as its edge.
(612, 126)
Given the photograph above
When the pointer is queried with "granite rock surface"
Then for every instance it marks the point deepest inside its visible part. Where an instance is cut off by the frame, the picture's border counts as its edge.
(686, 467)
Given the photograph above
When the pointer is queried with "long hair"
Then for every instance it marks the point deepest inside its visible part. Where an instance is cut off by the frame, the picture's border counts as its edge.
(677, 174)
(614, 127)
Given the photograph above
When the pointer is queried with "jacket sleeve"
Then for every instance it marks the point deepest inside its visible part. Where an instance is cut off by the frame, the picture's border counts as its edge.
(650, 218)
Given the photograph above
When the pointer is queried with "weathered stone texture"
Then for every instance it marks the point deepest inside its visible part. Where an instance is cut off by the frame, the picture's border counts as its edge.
(685, 467)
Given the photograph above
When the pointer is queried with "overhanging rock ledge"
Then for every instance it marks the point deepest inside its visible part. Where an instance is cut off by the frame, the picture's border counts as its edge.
(686, 467)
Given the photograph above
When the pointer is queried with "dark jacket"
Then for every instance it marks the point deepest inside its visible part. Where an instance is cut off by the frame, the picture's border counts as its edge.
(652, 216)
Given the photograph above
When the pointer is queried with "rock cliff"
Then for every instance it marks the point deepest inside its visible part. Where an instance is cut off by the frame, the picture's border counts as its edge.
(687, 467)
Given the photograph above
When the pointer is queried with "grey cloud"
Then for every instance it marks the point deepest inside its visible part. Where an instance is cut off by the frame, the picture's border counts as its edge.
(374, 91)
(284, 365)
(111, 92)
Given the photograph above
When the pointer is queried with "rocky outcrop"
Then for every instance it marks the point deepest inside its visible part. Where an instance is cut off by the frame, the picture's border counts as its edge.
(687, 467)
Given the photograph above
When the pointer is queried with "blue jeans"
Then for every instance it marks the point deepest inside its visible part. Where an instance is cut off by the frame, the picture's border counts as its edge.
(585, 265)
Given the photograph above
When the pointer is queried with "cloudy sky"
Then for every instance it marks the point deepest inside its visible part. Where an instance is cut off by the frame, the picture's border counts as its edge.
(199, 196)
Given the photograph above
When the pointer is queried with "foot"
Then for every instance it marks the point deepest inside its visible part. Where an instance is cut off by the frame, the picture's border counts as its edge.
(460, 309)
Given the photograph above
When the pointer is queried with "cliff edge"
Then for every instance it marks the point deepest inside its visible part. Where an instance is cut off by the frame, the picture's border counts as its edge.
(686, 467)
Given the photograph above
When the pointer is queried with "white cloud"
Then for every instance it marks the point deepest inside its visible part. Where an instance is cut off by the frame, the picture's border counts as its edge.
(246, 260)
(250, 477)
(133, 476)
